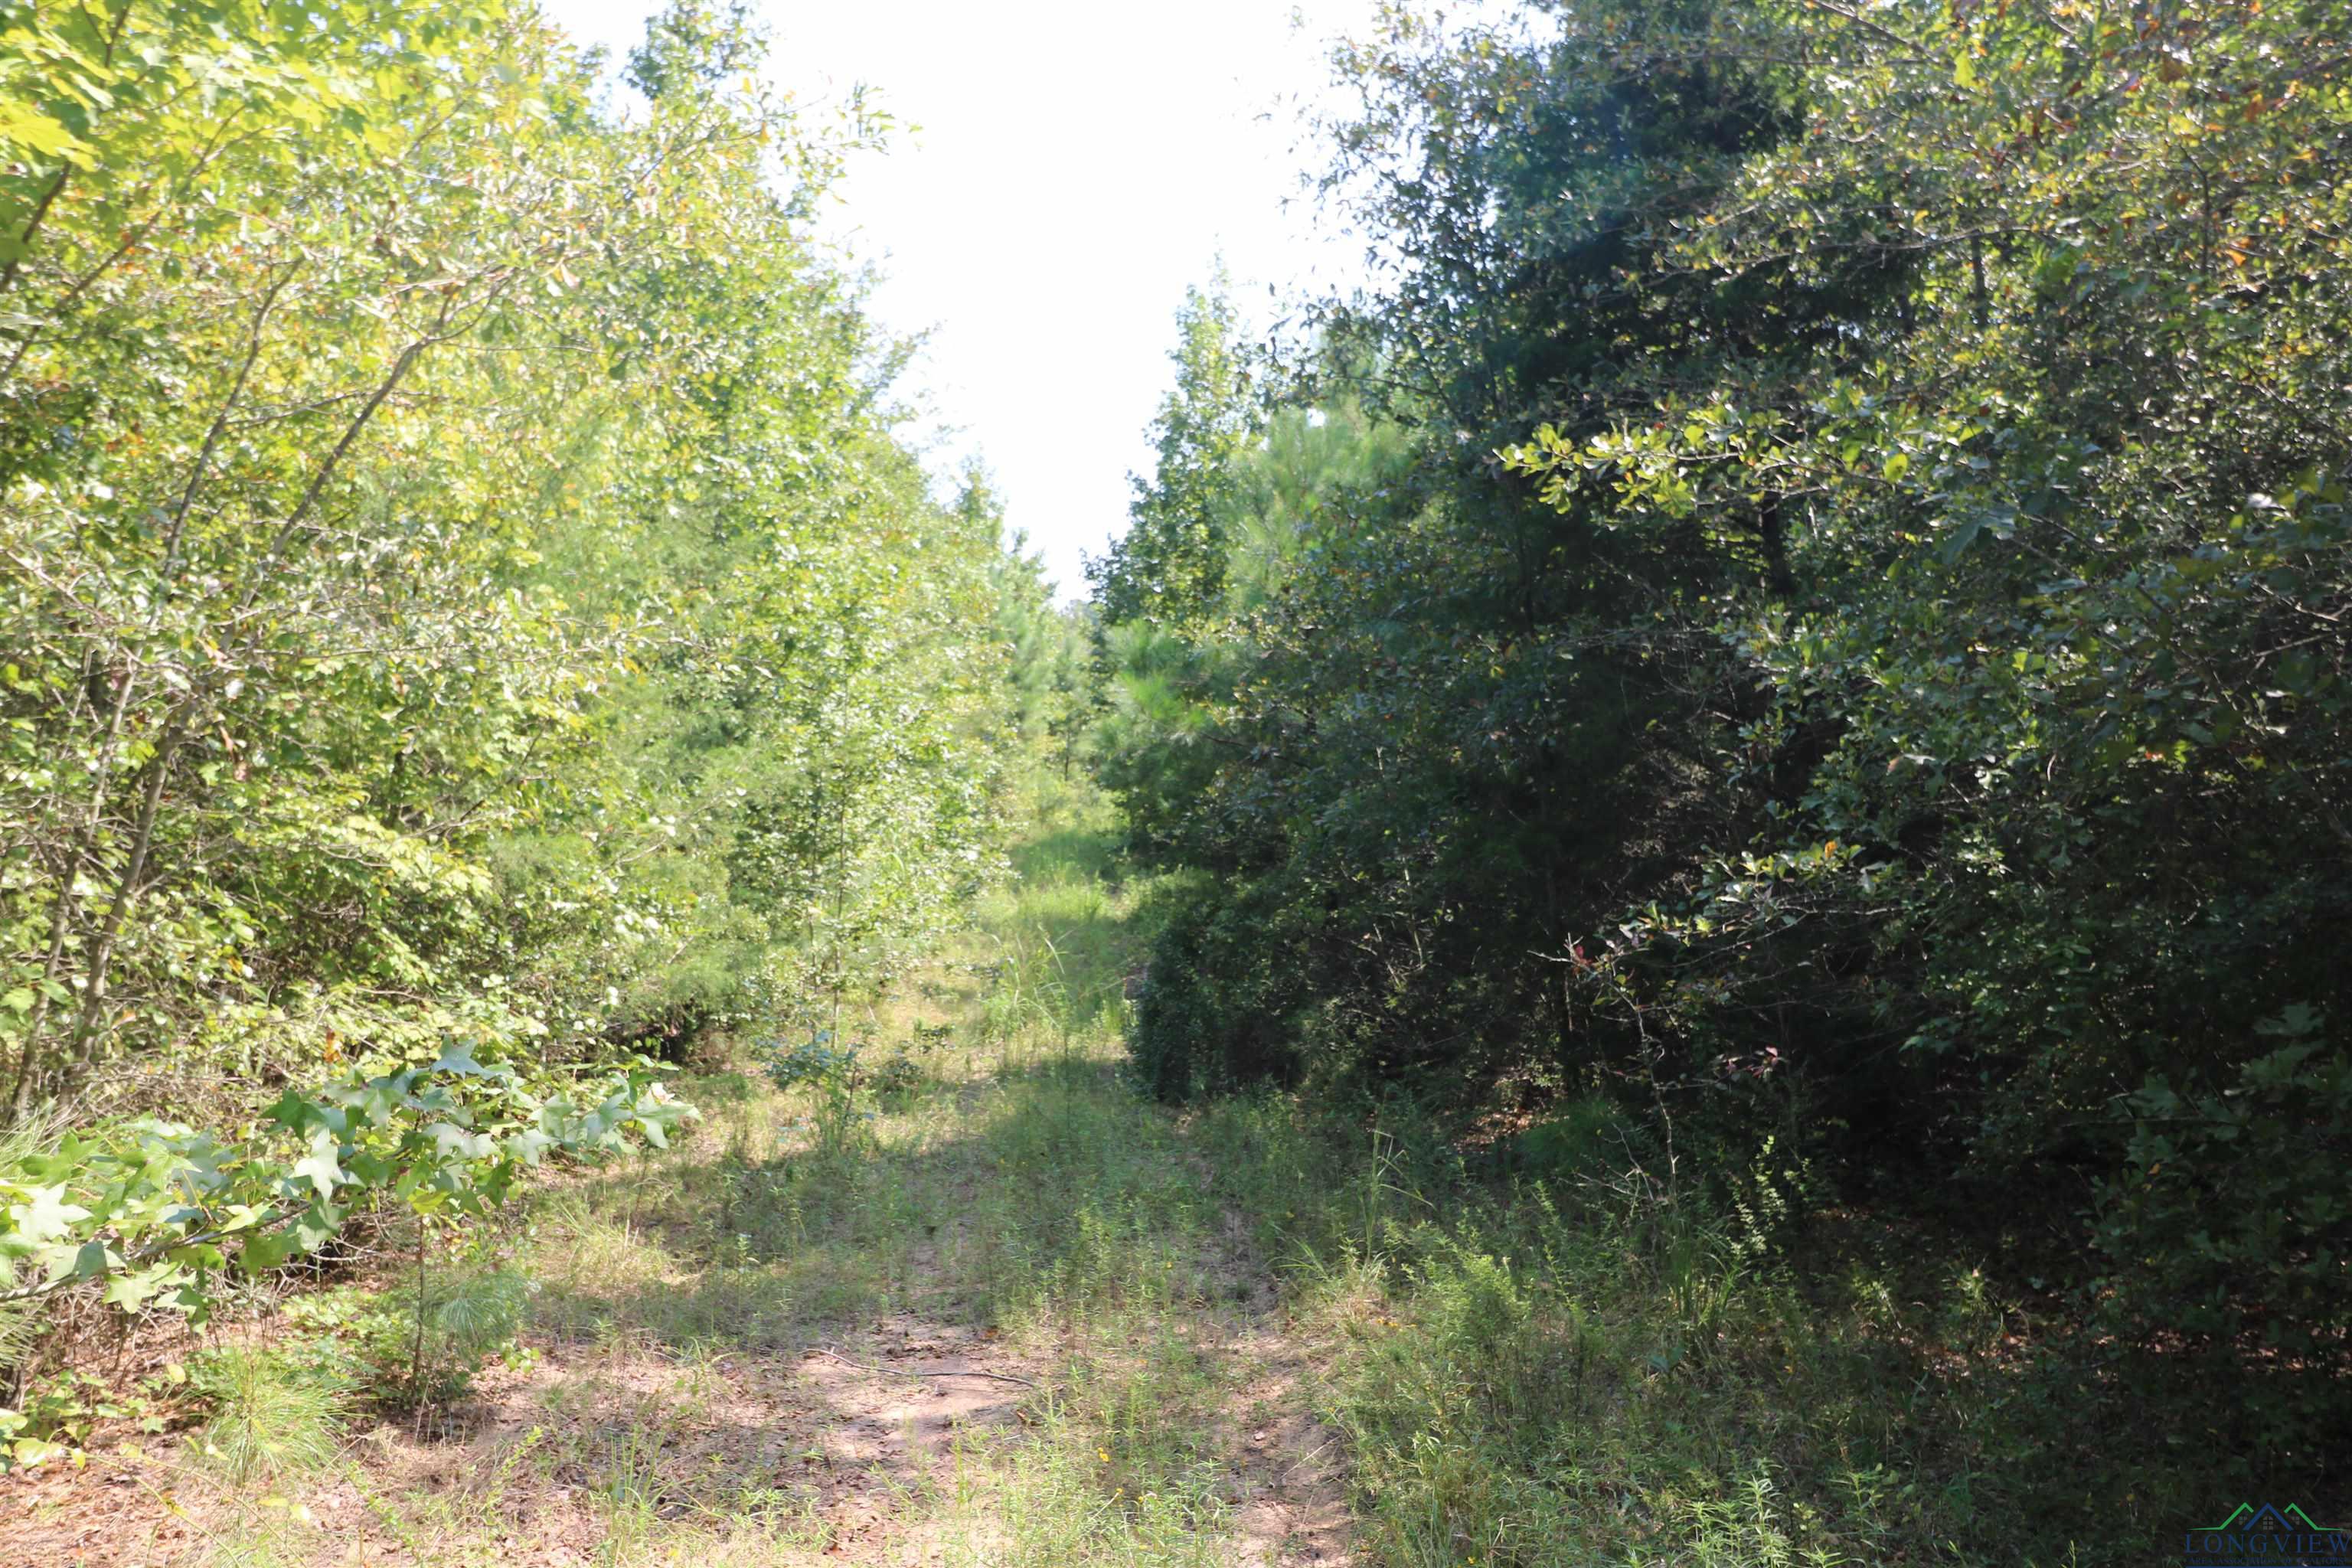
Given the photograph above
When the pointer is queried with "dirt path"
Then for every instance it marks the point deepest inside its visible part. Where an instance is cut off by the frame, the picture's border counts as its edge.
(875, 1443)
(1294, 1508)
(1281, 1484)
(764, 1349)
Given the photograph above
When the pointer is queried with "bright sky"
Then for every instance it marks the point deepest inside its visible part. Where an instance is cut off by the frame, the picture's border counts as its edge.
(1079, 163)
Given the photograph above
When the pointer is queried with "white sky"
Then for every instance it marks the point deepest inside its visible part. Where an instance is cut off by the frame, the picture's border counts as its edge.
(1079, 163)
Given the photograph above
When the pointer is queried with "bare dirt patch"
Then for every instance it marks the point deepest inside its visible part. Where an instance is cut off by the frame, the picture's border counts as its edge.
(1293, 1485)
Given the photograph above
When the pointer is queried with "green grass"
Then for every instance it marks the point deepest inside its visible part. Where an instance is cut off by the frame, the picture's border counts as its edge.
(1568, 1368)
(1004, 1181)
(1533, 1354)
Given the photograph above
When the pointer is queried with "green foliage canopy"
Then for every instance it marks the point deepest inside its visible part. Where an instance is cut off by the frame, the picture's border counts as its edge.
(466, 607)
(1858, 646)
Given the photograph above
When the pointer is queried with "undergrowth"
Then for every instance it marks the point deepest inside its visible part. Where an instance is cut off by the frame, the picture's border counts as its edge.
(1577, 1364)
(964, 1151)
(1551, 1354)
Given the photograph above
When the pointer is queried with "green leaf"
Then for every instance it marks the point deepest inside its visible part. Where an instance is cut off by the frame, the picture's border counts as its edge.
(46, 1217)
(263, 1253)
(129, 1291)
(453, 1143)
(319, 1167)
(31, 128)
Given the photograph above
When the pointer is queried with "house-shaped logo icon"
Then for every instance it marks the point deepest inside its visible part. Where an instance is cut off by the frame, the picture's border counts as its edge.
(2260, 1533)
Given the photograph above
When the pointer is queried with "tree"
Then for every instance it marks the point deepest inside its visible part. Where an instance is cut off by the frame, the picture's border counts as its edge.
(459, 569)
(1853, 650)
(1169, 565)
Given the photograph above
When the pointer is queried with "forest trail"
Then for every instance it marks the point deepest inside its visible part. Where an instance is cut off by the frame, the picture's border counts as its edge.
(1677, 899)
(981, 1305)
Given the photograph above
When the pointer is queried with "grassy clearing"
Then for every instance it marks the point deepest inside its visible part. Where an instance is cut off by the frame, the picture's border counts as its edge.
(1573, 1365)
(1535, 1357)
(674, 1379)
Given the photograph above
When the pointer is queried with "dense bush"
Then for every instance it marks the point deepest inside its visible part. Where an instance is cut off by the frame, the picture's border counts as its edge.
(470, 621)
(1854, 655)
(460, 561)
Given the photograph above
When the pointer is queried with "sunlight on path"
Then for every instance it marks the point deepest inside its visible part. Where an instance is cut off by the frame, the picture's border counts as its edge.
(975, 1305)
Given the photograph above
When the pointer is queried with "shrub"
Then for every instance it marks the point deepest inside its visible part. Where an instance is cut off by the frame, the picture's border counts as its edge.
(424, 1344)
(2229, 1212)
(1212, 1016)
(271, 1415)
